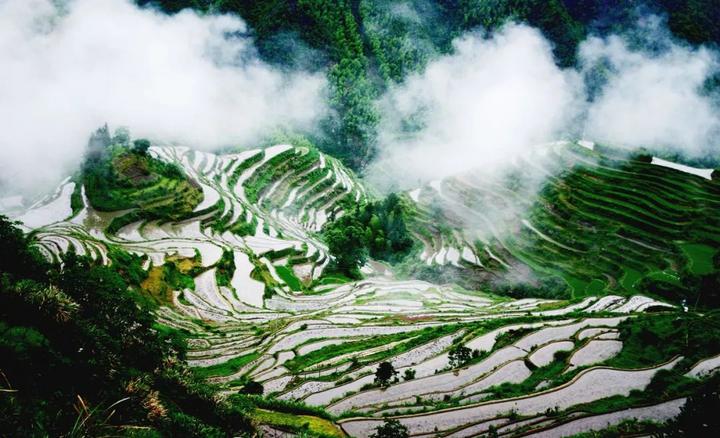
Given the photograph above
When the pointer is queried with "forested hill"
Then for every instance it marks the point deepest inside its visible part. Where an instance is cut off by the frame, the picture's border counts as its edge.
(367, 45)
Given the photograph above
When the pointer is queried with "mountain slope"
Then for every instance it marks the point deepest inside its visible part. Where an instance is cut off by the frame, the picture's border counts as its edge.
(242, 275)
(600, 221)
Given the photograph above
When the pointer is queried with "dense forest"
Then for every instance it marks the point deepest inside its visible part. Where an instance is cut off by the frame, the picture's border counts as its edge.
(376, 229)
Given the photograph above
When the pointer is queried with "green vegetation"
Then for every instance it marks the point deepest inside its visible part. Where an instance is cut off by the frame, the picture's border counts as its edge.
(700, 258)
(128, 265)
(408, 341)
(332, 28)
(615, 219)
(652, 339)
(552, 17)
(317, 427)
(287, 275)
(226, 368)
(289, 416)
(384, 373)
(121, 177)
(274, 404)
(550, 287)
(605, 224)
(409, 374)
(75, 345)
(225, 267)
(459, 355)
(391, 429)
(552, 374)
(250, 387)
(365, 45)
(176, 274)
(374, 229)
(691, 289)
(699, 415)
(76, 201)
(346, 241)
(83, 348)
(277, 165)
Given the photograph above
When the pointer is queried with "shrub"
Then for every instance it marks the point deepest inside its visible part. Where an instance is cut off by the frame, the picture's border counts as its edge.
(390, 429)
(385, 371)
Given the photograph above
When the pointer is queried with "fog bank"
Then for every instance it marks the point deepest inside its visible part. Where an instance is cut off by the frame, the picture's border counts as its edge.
(499, 95)
(476, 108)
(185, 78)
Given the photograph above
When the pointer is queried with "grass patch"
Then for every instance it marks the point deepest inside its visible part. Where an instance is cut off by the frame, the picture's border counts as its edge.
(595, 287)
(226, 368)
(630, 279)
(667, 277)
(316, 426)
(334, 278)
(700, 257)
(289, 278)
(576, 284)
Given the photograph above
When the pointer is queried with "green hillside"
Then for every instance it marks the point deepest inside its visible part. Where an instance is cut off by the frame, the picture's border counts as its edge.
(607, 223)
(120, 177)
(539, 287)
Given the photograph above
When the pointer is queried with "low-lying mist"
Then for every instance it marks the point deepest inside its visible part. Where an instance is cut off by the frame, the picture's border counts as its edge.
(654, 97)
(499, 95)
(475, 109)
(70, 66)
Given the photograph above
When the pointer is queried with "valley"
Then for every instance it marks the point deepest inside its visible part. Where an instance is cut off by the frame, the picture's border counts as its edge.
(244, 273)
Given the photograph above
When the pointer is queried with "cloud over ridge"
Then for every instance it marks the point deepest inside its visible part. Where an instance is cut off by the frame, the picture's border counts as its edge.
(479, 106)
(497, 95)
(653, 98)
(68, 67)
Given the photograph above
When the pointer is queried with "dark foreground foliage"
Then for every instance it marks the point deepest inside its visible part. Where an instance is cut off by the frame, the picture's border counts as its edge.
(79, 356)
(699, 416)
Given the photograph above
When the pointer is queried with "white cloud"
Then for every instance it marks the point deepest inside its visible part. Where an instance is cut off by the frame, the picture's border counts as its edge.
(185, 78)
(653, 99)
(496, 97)
(196, 80)
(478, 107)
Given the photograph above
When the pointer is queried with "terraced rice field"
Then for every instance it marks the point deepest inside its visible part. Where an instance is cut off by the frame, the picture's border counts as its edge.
(272, 317)
(601, 223)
